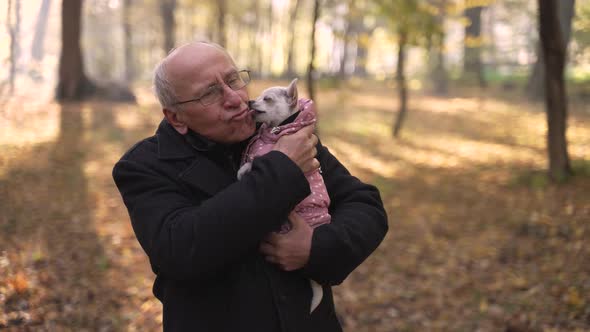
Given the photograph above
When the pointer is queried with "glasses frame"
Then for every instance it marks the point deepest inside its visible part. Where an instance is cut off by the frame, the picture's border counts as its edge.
(219, 88)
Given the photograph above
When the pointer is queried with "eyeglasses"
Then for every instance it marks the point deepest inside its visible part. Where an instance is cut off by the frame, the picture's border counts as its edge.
(214, 93)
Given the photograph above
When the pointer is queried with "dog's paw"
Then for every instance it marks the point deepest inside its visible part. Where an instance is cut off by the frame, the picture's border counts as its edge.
(244, 169)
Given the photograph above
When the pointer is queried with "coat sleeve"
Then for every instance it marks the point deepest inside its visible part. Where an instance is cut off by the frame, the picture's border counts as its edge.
(358, 225)
(188, 238)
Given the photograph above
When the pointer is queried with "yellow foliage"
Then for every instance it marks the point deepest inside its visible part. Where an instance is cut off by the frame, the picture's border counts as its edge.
(474, 42)
(19, 283)
(483, 305)
(478, 3)
(574, 299)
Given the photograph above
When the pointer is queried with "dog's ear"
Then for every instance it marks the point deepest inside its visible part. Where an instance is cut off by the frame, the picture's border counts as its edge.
(292, 92)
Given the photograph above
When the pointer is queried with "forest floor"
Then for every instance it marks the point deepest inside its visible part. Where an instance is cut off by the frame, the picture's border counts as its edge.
(478, 240)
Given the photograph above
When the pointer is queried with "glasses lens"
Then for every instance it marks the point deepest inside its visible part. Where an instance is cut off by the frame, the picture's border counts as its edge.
(235, 82)
(211, 96)
(244, 77)
(238, 80)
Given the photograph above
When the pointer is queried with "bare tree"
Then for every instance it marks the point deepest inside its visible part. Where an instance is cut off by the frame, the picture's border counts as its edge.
(554, 53)
(472, 65)
(37, 46)
(167, 8)
(414, 25)
(221, 26)
(291, 44)
(535, 85)
(361, 33)
(351, 16)
(127, 41)
(269, 24)
(253, 50)
(310, 68)
(13, 27)
(73, 83)
(401, 80)
(260, 31)
(439, 72)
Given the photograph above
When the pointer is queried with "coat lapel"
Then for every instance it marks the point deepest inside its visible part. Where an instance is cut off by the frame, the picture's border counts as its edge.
(202, 173)
(205, 175)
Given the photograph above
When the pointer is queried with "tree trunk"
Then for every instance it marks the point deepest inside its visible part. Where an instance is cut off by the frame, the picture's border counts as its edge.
(439, 74)
(441, 77)
(167, 8)
(14, 32)
(401, 83)
(127, 41)
(259, 35)
(37, 46)
(360, 68)
(492, 47)
(361, 33)
(291, 44)
(269, 33)
(554, 51)
(472, 65)
(311, 70)
(221, 10)
(252, 49)
(73, 83)
(535, 85)
(344, 59)
(346, 38)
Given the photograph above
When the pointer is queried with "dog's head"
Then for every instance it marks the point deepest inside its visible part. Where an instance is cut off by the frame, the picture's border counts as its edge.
(275, 105)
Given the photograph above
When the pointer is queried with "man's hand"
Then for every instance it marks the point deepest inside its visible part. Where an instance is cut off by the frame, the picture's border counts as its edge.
(300, 147)
(290, 251)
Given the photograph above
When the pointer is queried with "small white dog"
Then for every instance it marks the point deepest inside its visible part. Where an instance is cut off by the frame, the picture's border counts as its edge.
(282, 113)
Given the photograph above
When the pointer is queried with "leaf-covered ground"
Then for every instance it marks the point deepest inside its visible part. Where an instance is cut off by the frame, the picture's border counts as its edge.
(478, 241)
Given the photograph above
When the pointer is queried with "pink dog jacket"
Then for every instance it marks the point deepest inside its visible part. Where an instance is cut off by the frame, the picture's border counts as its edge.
(314, 208)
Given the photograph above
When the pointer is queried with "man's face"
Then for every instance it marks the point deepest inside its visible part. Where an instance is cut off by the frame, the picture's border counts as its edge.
(192, 70)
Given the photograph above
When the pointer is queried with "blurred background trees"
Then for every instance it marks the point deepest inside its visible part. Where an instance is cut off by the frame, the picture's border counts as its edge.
(487, 243)
(483, 42)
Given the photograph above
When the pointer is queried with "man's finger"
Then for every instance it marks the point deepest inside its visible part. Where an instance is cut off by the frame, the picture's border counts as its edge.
(308, 130)
(273, 238)
(311, 166)
(297, 221)
(315, 140)
(266, 248)
(271, 259)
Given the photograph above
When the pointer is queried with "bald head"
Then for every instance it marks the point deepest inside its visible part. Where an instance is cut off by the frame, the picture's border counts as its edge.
(181, 67)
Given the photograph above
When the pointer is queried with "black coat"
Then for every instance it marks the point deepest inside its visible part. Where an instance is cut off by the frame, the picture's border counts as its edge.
(201, 228)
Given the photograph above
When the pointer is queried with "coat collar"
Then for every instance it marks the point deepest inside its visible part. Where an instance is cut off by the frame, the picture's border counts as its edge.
(290, 119)
(171, 144)
(201, 173)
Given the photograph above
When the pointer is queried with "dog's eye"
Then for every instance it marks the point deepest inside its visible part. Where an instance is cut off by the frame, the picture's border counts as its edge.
(267, 99)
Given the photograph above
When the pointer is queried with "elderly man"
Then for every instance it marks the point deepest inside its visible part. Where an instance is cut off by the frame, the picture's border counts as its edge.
(210, 239)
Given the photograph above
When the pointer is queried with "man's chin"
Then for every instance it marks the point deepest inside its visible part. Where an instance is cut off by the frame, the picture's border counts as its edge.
(247, 130)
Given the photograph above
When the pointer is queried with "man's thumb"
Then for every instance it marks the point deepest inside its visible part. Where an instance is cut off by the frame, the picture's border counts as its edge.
(296, 220)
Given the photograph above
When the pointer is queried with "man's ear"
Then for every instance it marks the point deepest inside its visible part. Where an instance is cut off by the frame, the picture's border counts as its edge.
(292, 92)
(175, 119)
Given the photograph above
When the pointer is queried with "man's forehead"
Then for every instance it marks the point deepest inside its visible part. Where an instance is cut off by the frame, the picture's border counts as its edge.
(188, 59)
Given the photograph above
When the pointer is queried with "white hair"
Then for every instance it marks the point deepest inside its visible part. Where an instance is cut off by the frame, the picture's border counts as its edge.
(163, 89)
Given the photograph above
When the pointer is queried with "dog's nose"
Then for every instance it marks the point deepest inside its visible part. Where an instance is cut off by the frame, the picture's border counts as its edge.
(250, 103)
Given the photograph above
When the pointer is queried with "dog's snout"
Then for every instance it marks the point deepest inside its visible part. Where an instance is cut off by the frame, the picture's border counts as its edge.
(250, 103)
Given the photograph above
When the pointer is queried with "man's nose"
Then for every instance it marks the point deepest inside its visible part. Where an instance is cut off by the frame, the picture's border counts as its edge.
(231, 98)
